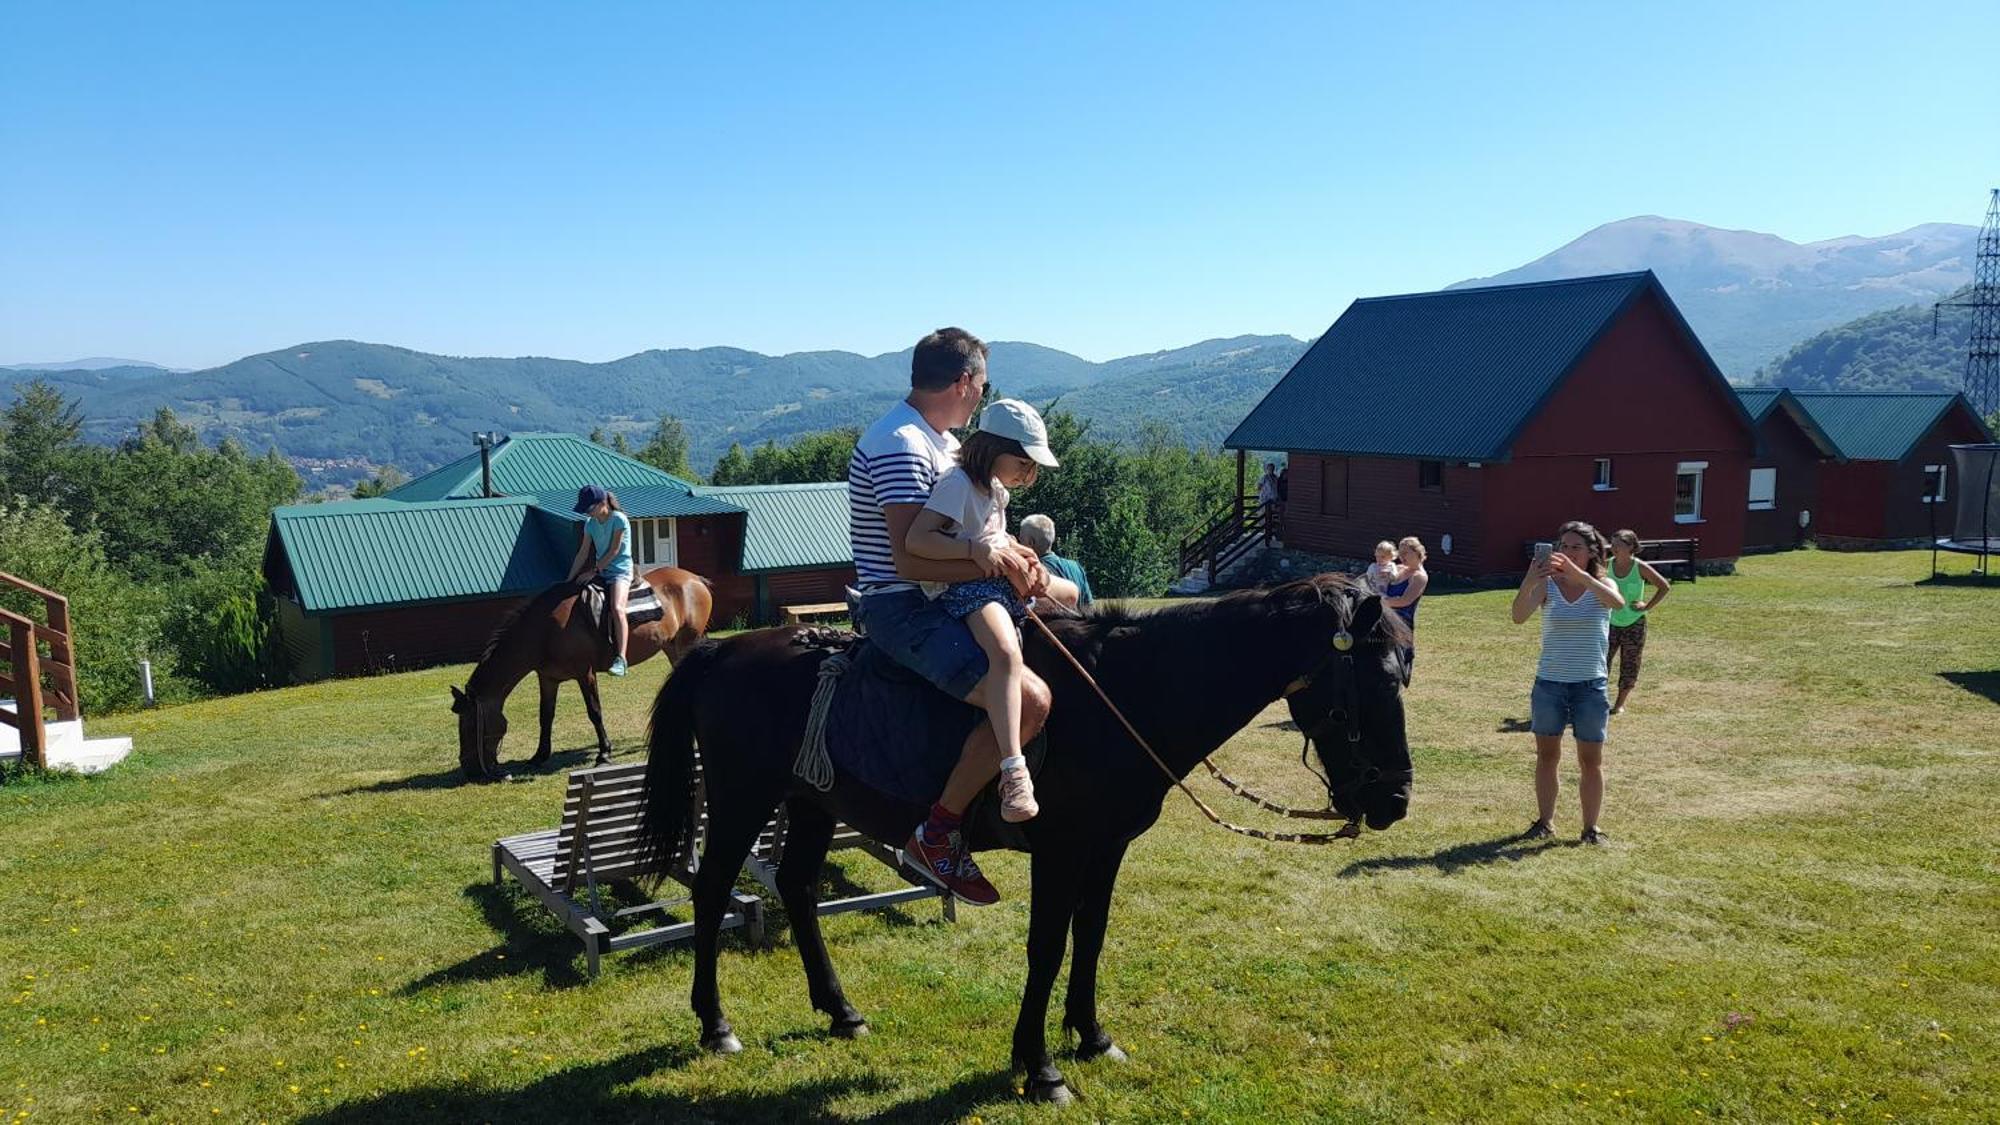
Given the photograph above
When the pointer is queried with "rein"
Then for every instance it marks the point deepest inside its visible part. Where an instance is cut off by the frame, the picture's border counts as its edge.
(1347, 832)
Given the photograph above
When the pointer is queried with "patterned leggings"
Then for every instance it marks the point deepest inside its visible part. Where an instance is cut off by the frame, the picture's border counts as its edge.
(1628, 644)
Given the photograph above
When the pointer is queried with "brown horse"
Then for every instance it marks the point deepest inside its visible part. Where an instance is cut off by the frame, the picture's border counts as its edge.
(549, 637)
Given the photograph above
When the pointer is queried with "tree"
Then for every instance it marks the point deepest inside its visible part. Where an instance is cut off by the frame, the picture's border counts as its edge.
(1124, 557)
(620, 446)
(733, 468)
(809, 458)
(597, 435)
(667, 448)
(38, 436)
(388, 479)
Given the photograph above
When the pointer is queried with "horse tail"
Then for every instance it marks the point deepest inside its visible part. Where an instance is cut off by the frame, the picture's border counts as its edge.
(667, 812)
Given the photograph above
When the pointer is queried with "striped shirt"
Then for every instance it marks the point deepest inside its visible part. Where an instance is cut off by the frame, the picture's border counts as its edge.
(1575, 637)
(897, 461)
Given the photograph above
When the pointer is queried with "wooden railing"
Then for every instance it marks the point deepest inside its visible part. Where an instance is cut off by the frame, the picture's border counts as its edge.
(26, 667)
(1228, 535)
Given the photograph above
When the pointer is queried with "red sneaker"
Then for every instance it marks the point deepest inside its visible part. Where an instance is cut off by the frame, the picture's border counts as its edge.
(950, 866)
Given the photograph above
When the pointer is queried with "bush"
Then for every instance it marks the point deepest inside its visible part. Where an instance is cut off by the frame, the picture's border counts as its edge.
(218, 622)
(114, 622)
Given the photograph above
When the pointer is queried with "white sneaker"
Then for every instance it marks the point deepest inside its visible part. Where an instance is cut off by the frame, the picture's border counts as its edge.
(618, 666)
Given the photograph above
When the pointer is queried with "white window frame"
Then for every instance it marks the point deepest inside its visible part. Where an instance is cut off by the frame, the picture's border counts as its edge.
(1601, 479)
(666, 543)
(1769, 500)
(1941, 484)
(1696, 469)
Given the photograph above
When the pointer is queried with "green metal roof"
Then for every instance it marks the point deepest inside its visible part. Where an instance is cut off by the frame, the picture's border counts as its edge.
(374, 553)
(537, 463)
(1470, 367)
(647, 500)
(790, 526)
(1878, 426)
(1760, 401)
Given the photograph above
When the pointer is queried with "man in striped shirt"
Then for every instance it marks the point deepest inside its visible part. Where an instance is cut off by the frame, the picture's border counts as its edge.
(895, 464)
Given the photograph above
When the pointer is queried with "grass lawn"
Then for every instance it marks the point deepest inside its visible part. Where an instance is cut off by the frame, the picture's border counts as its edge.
(279, 909)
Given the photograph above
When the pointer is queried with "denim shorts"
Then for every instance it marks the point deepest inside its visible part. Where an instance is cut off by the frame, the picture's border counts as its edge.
(1581, 706)
(917, 632)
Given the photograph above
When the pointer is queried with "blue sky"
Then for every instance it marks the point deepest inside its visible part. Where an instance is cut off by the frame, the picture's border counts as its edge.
(191, 183)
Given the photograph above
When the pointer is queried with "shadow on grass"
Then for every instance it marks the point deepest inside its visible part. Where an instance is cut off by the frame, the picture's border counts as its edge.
(601, 1092)
(527, 945)
(1983, 684)
(1282, 724)
(1514, 726)
(1447, 861)
(454, 778)
(1956, 580)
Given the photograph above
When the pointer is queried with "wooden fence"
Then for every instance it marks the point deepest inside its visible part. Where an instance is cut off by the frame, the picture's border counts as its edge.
(27, 667)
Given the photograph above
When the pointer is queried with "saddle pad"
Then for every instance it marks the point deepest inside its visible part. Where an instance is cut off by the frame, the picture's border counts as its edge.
(642, 605)
(891, 730)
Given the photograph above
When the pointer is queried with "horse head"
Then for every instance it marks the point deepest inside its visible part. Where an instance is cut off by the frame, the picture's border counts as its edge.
(480, 728)
(1349, 698)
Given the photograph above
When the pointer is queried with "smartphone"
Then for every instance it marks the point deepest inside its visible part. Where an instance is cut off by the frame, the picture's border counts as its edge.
(1542, 552)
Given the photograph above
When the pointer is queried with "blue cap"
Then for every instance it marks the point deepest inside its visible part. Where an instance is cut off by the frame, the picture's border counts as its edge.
(590, 496)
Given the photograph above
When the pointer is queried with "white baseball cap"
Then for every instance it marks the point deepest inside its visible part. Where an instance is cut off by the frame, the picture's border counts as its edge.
(1012, 418)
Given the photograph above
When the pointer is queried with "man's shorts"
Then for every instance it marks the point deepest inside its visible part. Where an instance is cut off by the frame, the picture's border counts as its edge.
(916, 632)
(1581, 706)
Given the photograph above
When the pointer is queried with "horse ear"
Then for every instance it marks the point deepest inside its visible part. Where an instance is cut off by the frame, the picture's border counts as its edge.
(457, 699)
(1367, 614)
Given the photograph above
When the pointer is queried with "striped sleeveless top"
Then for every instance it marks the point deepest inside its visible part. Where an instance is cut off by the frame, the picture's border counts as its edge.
(1575, 637)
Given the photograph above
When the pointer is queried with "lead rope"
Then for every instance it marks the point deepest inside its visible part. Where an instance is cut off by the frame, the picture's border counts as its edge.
(1347, 832)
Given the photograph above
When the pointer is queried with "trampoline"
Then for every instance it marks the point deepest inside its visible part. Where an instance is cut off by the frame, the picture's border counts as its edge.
(1976, 531)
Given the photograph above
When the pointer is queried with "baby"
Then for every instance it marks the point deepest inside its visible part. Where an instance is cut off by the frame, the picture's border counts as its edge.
(1384, 573)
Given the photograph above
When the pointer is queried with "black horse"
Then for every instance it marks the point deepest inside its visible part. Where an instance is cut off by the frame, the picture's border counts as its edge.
(1187, 676)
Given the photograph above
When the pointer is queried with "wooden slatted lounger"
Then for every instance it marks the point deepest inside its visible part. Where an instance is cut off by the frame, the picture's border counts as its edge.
(597, 843)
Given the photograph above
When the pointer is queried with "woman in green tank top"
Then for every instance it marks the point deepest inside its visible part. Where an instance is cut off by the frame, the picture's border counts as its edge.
(1628, 625)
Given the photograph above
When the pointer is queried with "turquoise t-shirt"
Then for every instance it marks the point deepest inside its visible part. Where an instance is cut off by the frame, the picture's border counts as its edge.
(600, 532)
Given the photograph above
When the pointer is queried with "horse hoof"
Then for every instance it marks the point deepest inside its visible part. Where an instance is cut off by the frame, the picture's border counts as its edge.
(1053, 1093)
(856, 1030)
(723, 1044)
(1106, 1050)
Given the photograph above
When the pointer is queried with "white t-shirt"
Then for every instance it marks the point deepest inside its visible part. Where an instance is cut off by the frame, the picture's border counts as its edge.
(973, 515)
(1380, 578)
(896, 461)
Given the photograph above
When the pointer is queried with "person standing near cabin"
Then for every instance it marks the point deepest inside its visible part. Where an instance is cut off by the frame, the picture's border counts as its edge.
(1267, 497)
(1628, 625)
(1403, 594)
(1038, 534)
(1568, 584)
(605, 558)
(896, 463)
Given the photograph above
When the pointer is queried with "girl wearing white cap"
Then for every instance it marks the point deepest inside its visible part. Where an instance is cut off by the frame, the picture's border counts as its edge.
(969, 505)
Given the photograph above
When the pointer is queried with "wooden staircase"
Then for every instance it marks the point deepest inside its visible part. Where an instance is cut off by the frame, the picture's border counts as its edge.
(37, 684)
(1230, 538)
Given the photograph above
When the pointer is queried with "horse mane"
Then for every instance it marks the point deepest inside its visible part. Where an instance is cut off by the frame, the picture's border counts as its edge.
(1286, 600)
(514, 622)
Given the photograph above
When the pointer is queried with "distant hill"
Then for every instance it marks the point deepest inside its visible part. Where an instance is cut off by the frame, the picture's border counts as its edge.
(1892, 350)
(1752, 296)
(339, 409)
(95, 363)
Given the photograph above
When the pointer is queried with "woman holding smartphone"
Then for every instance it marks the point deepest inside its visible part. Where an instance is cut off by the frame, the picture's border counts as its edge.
(1569, 586)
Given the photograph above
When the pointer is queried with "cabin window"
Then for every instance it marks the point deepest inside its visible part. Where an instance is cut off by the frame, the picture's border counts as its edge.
(1430, 476)
(1763, 489)
(1933, 484)
(653, 544)
(1601, 475)
(1333, 486)
(1687, 491)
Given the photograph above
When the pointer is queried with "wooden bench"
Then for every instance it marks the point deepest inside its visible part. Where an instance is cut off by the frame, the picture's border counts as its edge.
(569, 868)
(800, 614)
(1662, 553)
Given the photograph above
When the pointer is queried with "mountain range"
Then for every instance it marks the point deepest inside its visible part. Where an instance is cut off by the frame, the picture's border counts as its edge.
(341, 409)
(1751, 296)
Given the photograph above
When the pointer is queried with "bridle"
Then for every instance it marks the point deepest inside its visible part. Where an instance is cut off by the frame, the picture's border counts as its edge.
(1340, 726)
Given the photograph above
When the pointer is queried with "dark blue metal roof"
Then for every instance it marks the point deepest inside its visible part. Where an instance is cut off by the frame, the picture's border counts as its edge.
(1451, 375)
